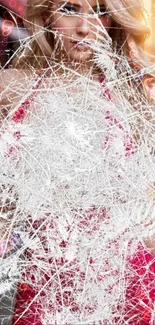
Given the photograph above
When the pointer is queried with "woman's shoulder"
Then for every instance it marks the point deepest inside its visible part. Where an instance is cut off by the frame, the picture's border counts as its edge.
(14, 85)
(14, 80)
(6, 74)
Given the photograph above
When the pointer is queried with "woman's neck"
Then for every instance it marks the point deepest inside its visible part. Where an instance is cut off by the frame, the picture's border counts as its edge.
(74, 70)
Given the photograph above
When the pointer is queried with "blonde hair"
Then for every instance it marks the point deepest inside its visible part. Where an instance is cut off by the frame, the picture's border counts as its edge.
(128, 32)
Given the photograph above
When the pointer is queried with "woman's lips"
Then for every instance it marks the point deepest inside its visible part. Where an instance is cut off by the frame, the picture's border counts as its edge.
(81, 46)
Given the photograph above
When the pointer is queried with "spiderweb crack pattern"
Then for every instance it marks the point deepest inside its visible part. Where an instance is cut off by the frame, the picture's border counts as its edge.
(77, 199)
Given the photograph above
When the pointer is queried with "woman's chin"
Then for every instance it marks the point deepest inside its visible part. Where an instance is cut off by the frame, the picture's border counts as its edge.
(81, 56)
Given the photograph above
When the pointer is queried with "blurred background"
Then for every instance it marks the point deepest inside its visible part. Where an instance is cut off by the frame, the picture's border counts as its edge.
(13, 33)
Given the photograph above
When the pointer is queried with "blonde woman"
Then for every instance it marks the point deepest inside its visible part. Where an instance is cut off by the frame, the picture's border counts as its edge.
(76, 138)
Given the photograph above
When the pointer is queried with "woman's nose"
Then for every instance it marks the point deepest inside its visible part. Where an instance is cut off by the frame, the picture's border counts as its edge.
(83, 26)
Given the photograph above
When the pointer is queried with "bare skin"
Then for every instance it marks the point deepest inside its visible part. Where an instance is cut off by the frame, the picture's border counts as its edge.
(14, 84)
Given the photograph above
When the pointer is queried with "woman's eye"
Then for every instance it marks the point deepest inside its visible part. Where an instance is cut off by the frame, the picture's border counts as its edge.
(69, 10)
(102, 12)
(99, 12)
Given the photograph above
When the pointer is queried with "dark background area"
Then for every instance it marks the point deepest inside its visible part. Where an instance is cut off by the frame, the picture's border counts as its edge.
(12, 31)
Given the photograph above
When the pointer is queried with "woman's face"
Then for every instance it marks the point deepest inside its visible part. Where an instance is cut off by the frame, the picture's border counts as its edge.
(76, 24)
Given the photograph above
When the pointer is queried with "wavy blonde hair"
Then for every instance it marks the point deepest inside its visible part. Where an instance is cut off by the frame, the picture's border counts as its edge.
(128, 31)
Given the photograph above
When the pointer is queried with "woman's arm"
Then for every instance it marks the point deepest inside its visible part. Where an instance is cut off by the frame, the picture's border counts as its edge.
(150, 244)
(14, 85)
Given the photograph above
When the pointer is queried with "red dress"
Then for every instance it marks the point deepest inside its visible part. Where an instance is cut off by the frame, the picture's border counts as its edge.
(137, 309)
(66, 278)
